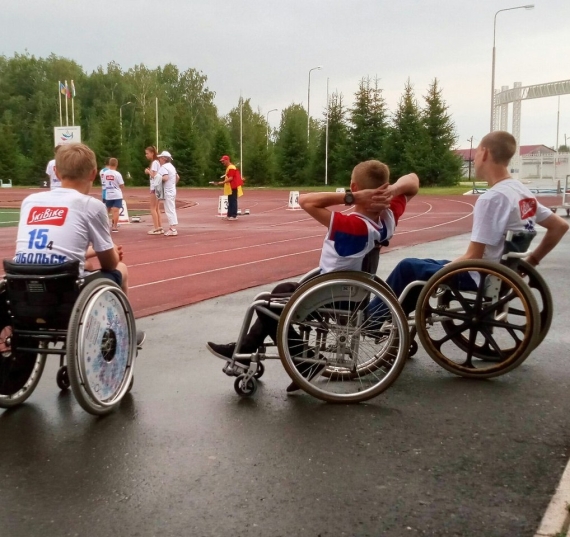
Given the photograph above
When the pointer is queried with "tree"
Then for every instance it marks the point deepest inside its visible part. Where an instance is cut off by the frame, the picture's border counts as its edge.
(407, 146)
(443, 166)
(220, 146)
(291, 147)
(369, 122)
(185, 150)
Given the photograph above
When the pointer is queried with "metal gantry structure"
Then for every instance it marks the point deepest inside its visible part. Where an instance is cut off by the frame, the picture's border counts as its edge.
(516, 95)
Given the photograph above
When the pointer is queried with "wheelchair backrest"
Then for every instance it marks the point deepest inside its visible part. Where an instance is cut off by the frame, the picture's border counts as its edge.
(517, 244)
(41, 295)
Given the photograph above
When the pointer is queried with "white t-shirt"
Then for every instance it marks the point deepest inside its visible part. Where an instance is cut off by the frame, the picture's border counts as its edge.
(113, 182)
(54, 181)
(58, 226)
(154, 167)
(350, 237)
(102, 177)
(170, 183)
(507, 206)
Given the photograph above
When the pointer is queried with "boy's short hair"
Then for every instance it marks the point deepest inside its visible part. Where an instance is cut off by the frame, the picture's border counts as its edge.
(113, 162)
(501, 145)
(370, 174)
(75, 161)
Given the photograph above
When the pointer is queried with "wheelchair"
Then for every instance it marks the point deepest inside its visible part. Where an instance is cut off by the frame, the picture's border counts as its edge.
(328, 340)
(489, 331)
(49, 310)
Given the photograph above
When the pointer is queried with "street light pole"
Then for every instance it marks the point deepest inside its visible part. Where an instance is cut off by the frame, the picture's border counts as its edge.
(318, 68)
(121, 120)
(267, 121)
(528, 6)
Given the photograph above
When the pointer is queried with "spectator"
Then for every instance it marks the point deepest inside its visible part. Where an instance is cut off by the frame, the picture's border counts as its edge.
(170, 178)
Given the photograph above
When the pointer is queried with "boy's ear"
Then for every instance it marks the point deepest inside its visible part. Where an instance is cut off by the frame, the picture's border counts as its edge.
(92, 175)
(353, 186)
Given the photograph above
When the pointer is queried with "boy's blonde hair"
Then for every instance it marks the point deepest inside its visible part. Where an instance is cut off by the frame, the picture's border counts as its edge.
(370, 174)
(75, 161)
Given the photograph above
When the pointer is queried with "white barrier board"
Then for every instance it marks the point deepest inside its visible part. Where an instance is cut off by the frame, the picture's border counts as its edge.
(222, 206)
(293, 201)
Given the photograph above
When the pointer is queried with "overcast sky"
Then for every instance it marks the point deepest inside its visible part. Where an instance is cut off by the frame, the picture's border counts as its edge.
(265, 48)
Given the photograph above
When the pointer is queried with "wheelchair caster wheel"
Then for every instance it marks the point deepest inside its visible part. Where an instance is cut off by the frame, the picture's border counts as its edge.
(260, 371)
(245, 389)
(413, 348)
(62, 378)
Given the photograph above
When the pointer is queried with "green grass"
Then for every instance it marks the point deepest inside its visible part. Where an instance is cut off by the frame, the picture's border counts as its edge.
(9, 217)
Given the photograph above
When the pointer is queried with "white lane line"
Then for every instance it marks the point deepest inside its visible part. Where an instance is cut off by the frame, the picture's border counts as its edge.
(223, 268)
(224, 251)
(556, 518)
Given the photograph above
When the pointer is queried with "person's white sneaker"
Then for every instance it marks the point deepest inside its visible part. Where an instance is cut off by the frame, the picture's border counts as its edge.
(171, 233)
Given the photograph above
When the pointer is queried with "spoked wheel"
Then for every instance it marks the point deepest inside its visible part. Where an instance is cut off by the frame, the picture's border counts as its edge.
(343, 337)
(20, 371)
(461, 329)
(101, 347)
(245, 388)
(62, 378)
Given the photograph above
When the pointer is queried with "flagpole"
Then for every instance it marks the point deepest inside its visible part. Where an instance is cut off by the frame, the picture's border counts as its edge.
(156, 106)
(66, 109)
(241, 132)
(59, 92)
(72, 103)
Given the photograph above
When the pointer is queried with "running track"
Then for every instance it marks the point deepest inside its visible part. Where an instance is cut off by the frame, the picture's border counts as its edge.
(212, 257)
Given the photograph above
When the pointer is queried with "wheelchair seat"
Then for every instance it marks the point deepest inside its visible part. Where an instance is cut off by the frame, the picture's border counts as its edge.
(41, 295)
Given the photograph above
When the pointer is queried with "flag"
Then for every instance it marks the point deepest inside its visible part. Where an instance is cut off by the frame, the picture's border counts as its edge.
(67, 92)
(72, 89)
(62, 89)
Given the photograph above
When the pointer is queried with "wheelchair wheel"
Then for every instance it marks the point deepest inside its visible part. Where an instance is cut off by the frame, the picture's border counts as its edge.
(20, 371)
(333, 346)
(461, 330)
(101, 347)
(243, 388)
(62, 378)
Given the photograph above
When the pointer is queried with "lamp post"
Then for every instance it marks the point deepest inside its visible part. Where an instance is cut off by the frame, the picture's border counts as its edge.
(470, 140)
(121, 120)
(528, 6)
(318, 68)
(267, 121)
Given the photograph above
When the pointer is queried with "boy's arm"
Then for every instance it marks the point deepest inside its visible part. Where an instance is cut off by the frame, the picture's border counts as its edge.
(555, 230)
(108, 259)
(408, 185)
(316, 203)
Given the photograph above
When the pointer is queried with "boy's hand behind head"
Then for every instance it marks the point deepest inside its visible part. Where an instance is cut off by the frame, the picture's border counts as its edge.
(374, 200)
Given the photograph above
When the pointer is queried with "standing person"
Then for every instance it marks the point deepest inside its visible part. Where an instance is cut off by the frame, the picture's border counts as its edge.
(506, 206)
(151, 154)
(114, 186)
(169, 179)
(102, 178)
(54, 181)
(232, 183)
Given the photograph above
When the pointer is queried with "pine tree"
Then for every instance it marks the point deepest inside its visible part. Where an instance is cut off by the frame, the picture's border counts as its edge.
(407, 146)
(369, 124)
(444, 166)
(291, 147)
(220, 146)
(185, 151)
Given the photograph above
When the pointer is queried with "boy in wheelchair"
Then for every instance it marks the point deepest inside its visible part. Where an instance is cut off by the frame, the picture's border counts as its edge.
(66, 224)
(350, 238)
(506, 206)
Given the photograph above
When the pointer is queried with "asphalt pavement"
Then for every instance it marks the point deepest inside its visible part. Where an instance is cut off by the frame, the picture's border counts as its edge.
(185, 455)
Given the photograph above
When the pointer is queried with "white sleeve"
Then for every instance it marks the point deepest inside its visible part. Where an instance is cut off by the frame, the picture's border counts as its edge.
(542, 213)
(154, 167)
(98, 226)
(490, 218)
(120, 180)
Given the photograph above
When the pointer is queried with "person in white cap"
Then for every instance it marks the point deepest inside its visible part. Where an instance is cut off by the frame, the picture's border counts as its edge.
(169, 178)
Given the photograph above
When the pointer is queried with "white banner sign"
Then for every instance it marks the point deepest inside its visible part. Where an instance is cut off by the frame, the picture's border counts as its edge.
(66, 135)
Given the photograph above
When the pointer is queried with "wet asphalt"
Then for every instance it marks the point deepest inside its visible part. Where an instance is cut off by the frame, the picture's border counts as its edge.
(185, 455)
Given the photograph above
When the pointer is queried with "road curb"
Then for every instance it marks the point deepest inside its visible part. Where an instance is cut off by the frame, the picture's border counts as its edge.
(556, 519)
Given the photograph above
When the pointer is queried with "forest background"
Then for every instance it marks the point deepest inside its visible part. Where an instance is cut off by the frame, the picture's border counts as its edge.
(116, 111)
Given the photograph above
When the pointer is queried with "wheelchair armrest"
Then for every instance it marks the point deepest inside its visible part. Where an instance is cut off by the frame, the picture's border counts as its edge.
(69, 268)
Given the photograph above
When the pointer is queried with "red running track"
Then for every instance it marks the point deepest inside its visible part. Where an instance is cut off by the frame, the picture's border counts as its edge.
(212, 257)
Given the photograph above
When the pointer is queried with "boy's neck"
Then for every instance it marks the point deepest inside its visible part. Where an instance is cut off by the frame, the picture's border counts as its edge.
(369, 214)
(81, 185)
